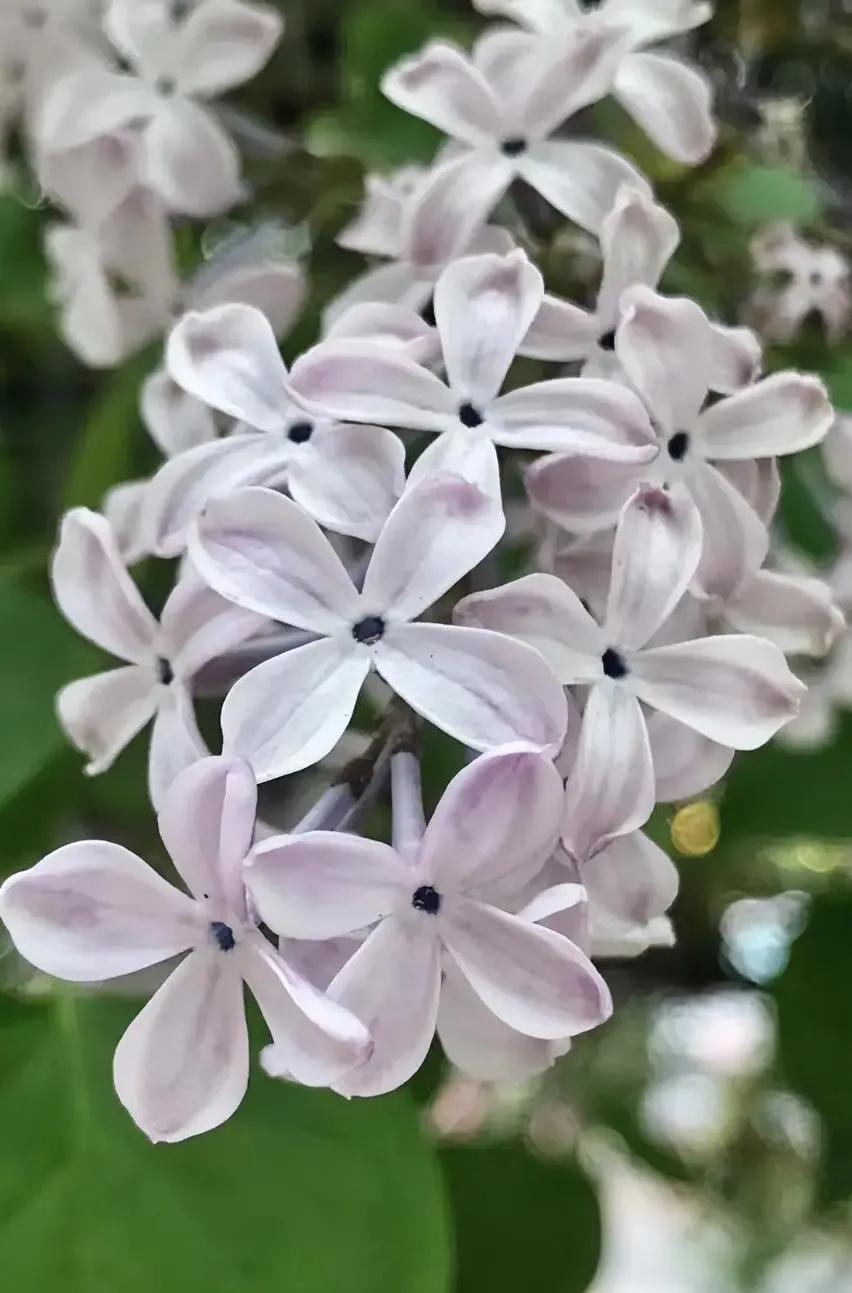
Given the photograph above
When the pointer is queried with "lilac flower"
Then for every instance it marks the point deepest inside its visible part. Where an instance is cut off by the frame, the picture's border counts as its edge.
(736, 690)
(261, 551)
(347, 477)
(501, 107)
(798, 281)
(102, 713)
(665, 347)
(637, 239)
(484, 306)
(92, 911)
(177, 66)
(669, 98)
(428, 900)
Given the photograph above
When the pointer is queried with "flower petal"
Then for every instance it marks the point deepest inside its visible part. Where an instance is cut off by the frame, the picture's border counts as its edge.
(657, 549)
(555, 80)
(737, 358)
(782, 414)
(585, 490)
(359, 381)
(475, 1041)
(93, 911)
(275, 287)
(560, 331)
(440, 529)
(228, 358)
(323, 884)
(94, 591)
(174, 420)
(182, 1066)
(573, 413)
(793, 611)
(451, 204)
(638, 239)
(289, 712)
(497, 822)
(260, 550)
(483, 688)
(544, 612)
(736, 690)
(197, 625)
(176, 742)
(610, 790)
(223, 43)
(190, 161)
(206, 822)
(441, 85)
(314, 1040)
(735, 538)
(666, 348)
(484, 306)
(685, 763)
(531, 977)
(102, 714)
(632, 878)
(90, 103)
(392, 984)
(671, 100)
(580, 180)
(351, 480)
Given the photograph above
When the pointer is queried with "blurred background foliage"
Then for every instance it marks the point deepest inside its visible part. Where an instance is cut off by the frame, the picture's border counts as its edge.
(727, 1070)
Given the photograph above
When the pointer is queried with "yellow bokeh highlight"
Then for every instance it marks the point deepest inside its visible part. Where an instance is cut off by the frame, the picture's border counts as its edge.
(696, 829)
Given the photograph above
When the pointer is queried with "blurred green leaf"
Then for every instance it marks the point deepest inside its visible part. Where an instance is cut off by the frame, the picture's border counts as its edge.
(38, 653)
(522, 1222)
(815, 1031)
(106, 452)
(300, 1191)
(753, 195)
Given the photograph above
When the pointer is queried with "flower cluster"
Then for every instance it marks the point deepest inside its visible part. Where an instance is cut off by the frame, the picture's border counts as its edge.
(339, 528)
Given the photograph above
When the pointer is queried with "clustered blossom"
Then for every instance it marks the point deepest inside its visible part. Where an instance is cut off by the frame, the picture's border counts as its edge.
(339, 527)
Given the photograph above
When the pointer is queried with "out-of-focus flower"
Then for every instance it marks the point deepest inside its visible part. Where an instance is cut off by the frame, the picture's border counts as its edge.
(797, 281)
(505, 975)
(103, 713)
(177, 66)
(735, 690)
(669, 98)
(261, 551)
(93, 911)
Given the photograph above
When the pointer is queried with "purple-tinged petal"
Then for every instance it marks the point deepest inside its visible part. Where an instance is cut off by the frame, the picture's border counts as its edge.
(735, 538)
(736, 690)
(685, 762)
(323, 884)
(579, 179)
(781, 414)
(351, 480)
(585, 490)
(222, 43)
(191, 163)
(441, 85)
(102, 714)
(197, 625)
(289, 712)
(573, 413)
(560, 331)
(793, 611)
(666, 348)
(567, 75)
(671, 100)
(176, 742)
(483, 688)
(182, 1066)
(392, 984)
(450, 206)
(632, 878)
(638, 239)
(175, 420)
(737, 358)
(93, 911)
(610, 790)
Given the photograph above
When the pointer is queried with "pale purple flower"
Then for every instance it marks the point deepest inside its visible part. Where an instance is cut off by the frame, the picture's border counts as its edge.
(93, 911)
(798, 281)
(261, 551)
(665, 347)
(637, 239)
(484, 306)
(668, 97)
(429, 902)
(41, 40)
(102, 713)
(177, 66)
(735, 690)
(347, 477)
(501, 107)
(414, 249)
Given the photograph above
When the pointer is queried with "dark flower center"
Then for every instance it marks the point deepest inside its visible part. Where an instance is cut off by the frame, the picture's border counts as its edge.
(678, 446)
(369, 631)
(166, 86)
(165, 671)
(607, 340)
(470, 416)
(223, 935)
(426, 899)
(513, 147)
(613, 663)
(300, 432)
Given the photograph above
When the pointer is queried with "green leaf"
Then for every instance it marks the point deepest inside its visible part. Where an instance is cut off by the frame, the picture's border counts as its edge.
(106, 454)
(522, 1222)
(301, 1191)
(752, 195)
(38, 653)
(814, 1008)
